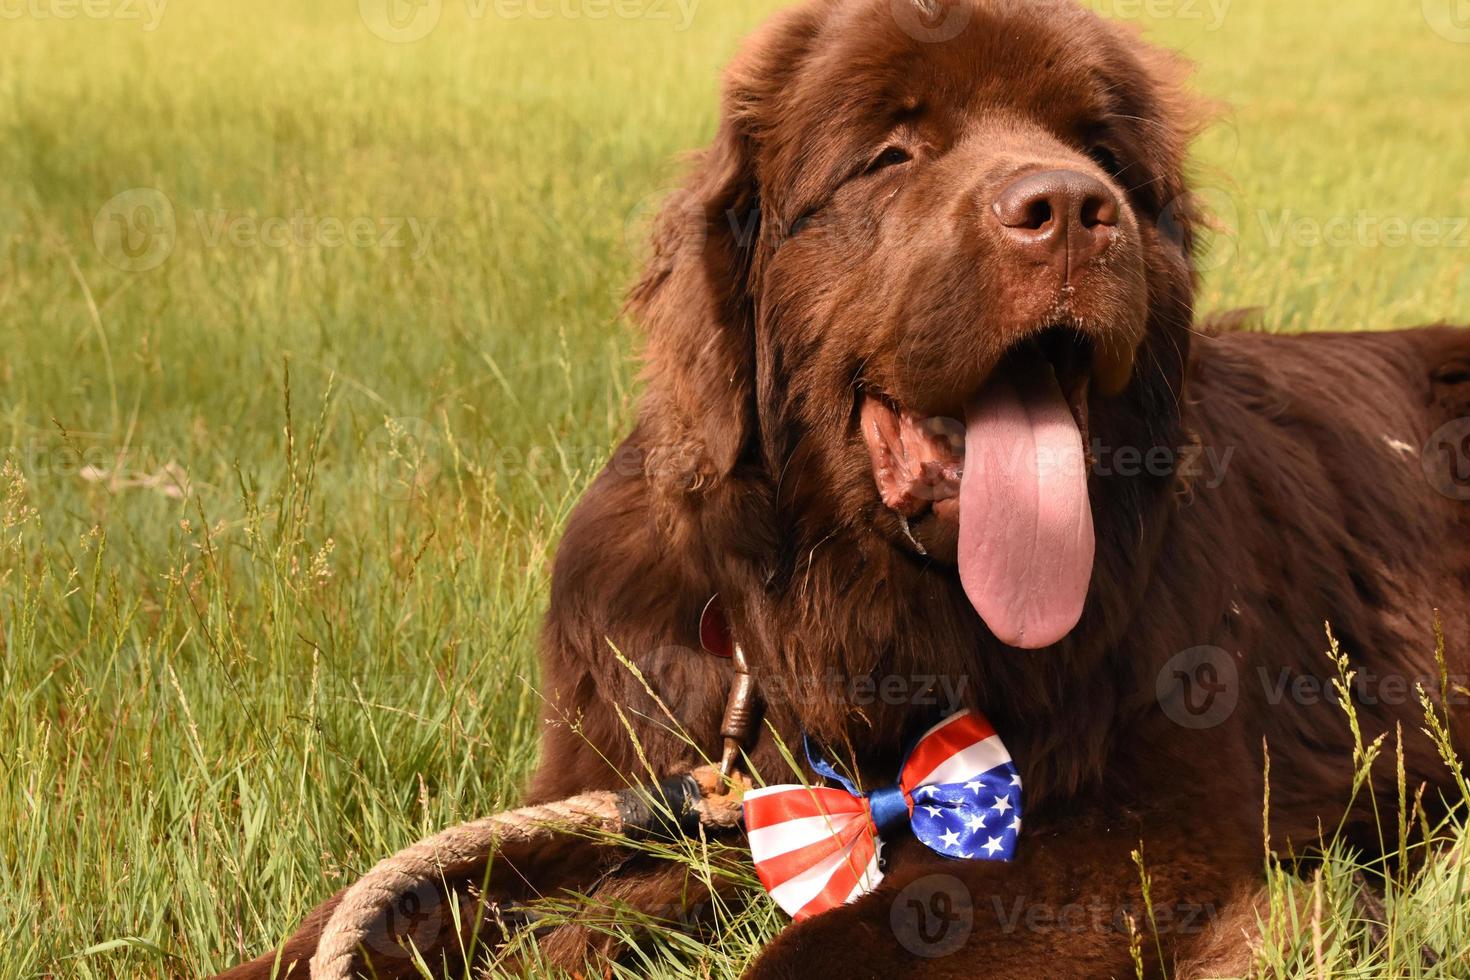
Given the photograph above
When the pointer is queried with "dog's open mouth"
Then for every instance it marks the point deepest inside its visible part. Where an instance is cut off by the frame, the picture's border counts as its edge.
(1013, 474)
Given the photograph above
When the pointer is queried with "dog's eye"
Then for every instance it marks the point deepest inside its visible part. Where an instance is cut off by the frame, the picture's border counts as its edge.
(1105, 158)
(891, 157)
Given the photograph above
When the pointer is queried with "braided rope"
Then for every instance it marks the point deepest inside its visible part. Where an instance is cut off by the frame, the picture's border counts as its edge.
(461, 849)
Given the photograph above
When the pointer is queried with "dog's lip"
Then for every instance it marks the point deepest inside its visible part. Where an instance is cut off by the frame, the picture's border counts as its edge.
(917, 461)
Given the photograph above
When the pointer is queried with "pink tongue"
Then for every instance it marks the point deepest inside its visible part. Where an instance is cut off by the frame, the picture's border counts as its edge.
(1026, 539)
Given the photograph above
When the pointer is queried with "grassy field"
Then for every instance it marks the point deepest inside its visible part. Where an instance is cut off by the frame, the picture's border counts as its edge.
(311, 338)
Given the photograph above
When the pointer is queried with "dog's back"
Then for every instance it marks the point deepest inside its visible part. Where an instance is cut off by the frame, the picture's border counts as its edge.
(1346, 499)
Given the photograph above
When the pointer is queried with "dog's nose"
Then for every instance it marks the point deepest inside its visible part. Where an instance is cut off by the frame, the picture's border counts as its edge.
(1065, 216)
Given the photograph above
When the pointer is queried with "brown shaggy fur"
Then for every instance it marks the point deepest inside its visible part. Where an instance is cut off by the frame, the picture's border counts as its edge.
(788, 277)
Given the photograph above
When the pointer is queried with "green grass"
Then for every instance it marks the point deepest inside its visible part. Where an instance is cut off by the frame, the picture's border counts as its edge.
(276, 517)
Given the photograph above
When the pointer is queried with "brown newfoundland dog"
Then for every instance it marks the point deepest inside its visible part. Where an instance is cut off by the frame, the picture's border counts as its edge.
(927, 406)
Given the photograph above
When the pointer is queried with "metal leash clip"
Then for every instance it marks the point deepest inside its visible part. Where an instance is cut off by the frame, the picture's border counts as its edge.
(740, 707)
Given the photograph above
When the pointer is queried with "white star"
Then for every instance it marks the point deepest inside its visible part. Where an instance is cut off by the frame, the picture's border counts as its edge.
(934, 811)
(992, 845)
(1016, 780)
(928, 790)
(951, 838)
(1015, 826)
(976, 822)
(974, 786)
(1001, 804)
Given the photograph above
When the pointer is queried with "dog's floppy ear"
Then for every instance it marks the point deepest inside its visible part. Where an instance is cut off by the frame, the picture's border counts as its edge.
(1181, 115)
(694, 303)
(695, 298)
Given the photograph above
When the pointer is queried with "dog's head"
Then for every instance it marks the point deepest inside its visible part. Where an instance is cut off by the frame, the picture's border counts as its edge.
(936, 250)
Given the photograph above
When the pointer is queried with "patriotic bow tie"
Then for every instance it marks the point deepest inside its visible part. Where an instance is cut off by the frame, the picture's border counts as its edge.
(817, 847)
